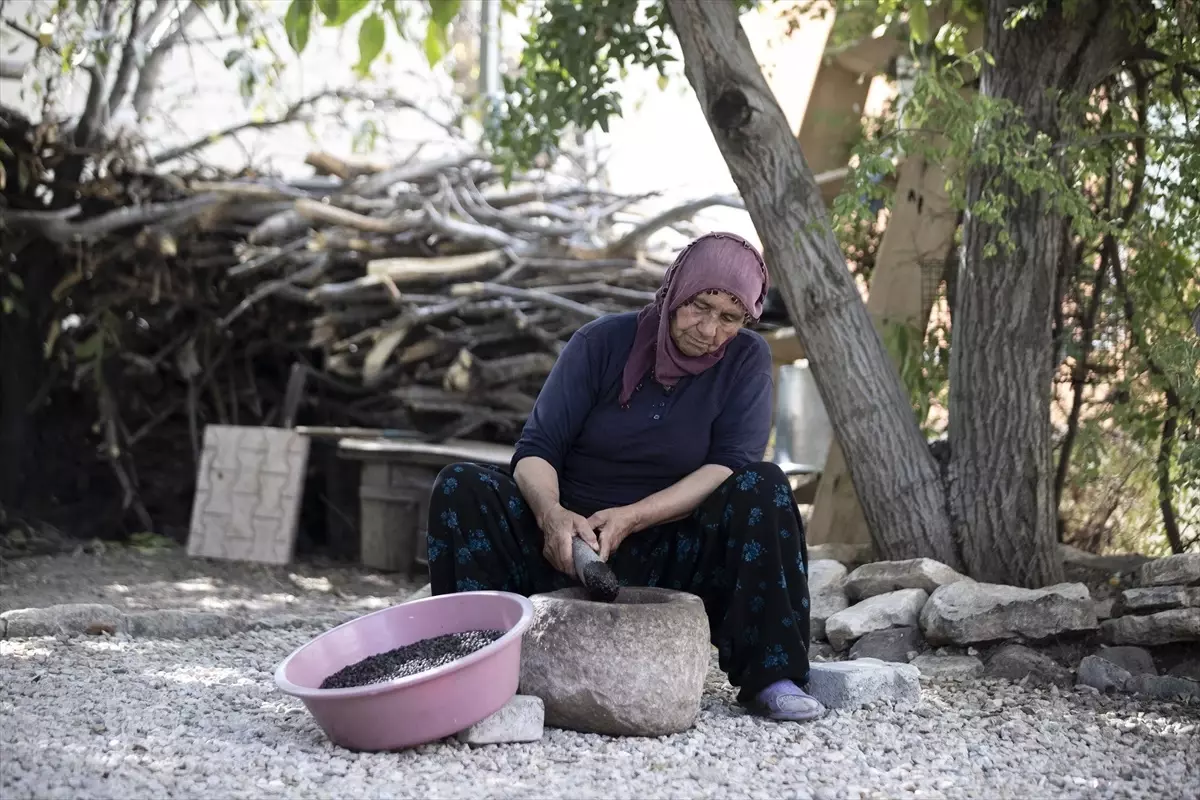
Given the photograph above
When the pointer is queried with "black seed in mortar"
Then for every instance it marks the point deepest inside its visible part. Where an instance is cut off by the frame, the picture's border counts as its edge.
(410, 659)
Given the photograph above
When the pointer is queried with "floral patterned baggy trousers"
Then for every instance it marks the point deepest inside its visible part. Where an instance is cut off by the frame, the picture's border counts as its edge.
(742, 552)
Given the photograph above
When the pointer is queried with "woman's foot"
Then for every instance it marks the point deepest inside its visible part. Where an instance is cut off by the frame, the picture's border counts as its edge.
(784, 701)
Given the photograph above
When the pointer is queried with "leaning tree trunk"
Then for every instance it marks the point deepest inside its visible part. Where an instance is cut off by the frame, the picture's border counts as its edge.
(898, 482)
(1001, 364)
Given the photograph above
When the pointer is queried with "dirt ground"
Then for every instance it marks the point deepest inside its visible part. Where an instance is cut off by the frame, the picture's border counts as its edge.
(168, 578)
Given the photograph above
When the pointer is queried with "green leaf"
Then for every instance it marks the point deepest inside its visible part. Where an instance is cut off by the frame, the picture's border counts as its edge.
(371, 35)
(16, 281)
(296, 23)
(443, 12)
(339, 12)
(435, 43)
(918, 21)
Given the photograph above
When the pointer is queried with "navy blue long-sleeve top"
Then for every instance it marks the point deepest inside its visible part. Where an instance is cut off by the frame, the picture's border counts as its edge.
(606, 455)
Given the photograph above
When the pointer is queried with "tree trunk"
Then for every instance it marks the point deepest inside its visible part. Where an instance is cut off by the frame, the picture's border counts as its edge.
(1001, 364)
(900, 488)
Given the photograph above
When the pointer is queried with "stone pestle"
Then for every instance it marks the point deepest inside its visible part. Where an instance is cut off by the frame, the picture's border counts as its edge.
(597, 577)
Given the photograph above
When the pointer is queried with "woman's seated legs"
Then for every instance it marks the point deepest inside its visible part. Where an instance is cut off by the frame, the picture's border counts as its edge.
(743, 552)
(482, 535)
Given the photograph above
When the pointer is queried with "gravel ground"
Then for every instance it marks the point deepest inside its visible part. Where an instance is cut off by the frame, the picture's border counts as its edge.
(169, 579)
(115, 717)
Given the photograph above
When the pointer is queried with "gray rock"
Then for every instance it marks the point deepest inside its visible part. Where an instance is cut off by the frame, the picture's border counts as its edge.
(821, 651)
(520, 720)
(948, 668)
(420, 594)
(1114, 563)
(888, 576)
(1165, 687)
(892, 610)
(850, 555)
(1186, 669)
(1136, 660)
(1102, 674)
(851, 684)
(1163, 627)
(826, 593)
(898, 645)
(968, 612)
(1182, 569)
(1015, 662)
(180, 624)
(633, 667)
(1104, 608)
(68, 619)
(1157, 598)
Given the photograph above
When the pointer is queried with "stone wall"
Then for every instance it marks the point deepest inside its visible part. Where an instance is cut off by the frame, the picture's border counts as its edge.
(1123, 624)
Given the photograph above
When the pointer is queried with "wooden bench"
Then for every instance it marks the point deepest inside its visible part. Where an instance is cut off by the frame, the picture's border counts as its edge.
(395, 482)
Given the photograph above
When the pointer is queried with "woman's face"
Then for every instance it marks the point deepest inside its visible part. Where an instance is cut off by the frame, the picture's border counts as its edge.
(704, 323)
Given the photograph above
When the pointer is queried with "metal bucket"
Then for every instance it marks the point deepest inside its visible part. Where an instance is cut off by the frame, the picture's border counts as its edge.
(802, 430)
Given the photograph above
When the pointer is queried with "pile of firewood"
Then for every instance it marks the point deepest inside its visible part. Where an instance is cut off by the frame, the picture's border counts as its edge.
(430, 297)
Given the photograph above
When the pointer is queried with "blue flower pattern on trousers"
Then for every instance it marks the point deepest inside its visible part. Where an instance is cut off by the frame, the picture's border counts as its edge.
(449, 485)
(478, 542)
(436, 547)
(489, 479)
(751, 550)
(516, 507)
(775, 657)
(755, 516)
(450, 520)
(748, 480)
(783, 496)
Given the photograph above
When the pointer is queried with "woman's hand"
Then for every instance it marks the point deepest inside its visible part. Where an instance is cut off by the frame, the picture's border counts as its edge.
(613, 525)
(559, 527)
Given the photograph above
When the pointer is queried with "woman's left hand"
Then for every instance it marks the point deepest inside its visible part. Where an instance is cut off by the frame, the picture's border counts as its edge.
(612, 525)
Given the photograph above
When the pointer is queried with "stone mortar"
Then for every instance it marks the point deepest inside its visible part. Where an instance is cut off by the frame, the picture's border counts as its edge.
(632, 667)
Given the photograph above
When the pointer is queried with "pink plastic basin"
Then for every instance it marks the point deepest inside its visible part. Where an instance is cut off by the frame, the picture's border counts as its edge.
(419, 708)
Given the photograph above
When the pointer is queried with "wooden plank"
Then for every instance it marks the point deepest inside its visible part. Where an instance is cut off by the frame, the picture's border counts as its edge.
(426, 453)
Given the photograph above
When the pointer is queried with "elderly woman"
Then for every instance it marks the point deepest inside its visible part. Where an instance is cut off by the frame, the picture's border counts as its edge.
(646, 442)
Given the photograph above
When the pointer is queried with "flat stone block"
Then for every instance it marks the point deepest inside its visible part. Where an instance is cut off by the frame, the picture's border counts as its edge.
(70, 618)
(1163, 627)
(881, 577)
(948, 668)
(1177, 570)
(967, 612)
(520, 720)
(851, 684)
(897, 609)
(180, 624)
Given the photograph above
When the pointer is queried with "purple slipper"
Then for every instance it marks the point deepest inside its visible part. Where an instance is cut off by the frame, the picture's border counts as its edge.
(784, 701)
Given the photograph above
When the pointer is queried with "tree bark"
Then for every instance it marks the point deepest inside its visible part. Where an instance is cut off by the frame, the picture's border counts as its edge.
(1001, 364)
(899, 484)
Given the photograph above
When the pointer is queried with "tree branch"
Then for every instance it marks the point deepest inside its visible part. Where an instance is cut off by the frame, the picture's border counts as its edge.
(1170, 422)
(125, 69)
(152, 68)
(1151, 54)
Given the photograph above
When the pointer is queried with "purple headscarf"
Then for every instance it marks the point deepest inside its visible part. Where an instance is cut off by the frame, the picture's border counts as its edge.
(720, 261)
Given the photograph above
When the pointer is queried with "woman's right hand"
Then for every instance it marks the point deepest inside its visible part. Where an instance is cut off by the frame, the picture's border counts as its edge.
(559, 527)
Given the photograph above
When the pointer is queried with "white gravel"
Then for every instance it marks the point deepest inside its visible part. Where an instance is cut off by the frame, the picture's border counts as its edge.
(115, 717)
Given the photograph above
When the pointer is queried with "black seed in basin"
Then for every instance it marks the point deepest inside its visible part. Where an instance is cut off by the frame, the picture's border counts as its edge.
(410, 659)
